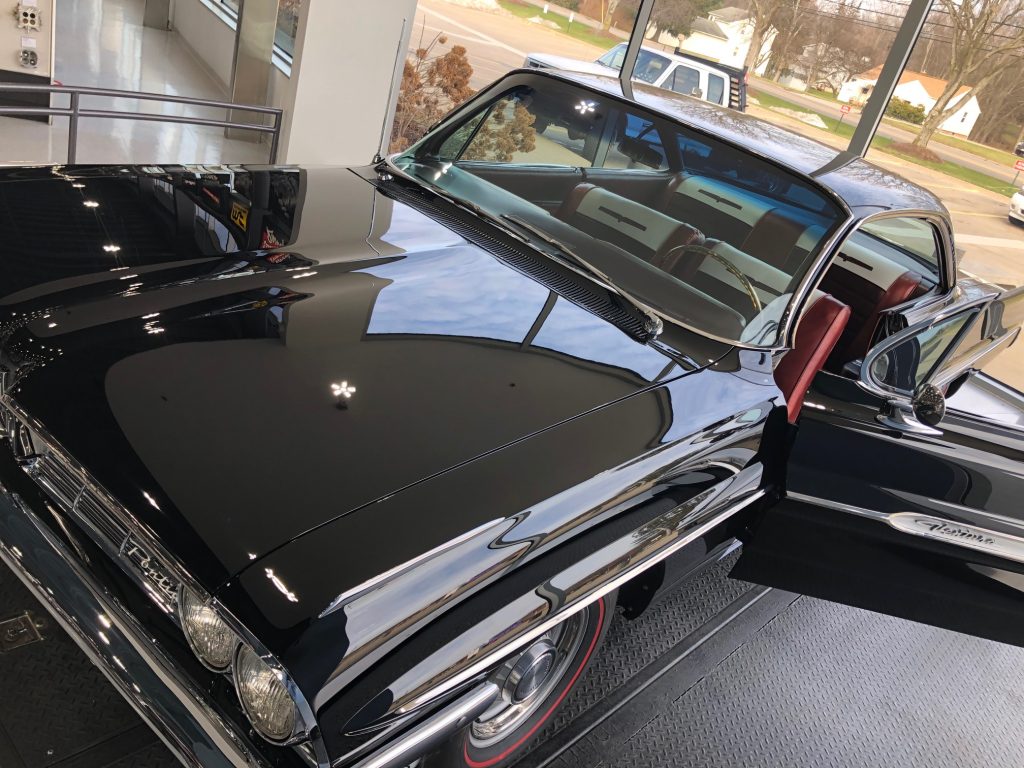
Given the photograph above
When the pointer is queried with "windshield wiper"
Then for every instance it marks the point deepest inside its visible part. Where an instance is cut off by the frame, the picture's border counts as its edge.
(654, 324)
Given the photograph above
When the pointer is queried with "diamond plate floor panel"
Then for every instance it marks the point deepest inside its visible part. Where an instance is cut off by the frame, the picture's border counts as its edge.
(56, 708)
(823, 685)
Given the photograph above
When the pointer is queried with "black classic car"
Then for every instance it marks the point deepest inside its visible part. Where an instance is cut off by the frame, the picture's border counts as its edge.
(354, 466)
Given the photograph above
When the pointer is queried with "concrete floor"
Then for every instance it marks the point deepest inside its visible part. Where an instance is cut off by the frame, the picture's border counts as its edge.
(102, 43)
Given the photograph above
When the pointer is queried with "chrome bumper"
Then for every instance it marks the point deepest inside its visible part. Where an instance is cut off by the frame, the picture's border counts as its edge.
(116, 643)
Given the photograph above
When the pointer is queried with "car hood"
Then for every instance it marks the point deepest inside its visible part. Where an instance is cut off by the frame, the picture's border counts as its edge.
(234, 403)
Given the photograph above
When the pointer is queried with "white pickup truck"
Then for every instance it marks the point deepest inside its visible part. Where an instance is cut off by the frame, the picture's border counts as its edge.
(679, 72)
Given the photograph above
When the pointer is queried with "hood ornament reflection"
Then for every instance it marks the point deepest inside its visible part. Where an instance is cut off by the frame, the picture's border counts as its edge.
(343, 392)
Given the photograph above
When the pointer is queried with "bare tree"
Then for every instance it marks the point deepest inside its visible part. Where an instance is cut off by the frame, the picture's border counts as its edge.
(763, 14)
(793, 22)
(676, 16)
(984, 35)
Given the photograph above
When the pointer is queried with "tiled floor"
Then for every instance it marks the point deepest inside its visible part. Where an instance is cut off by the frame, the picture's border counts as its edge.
(102, 43)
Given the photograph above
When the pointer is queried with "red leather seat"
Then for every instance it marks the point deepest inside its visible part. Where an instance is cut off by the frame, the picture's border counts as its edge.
(820, 328)
(869, 290)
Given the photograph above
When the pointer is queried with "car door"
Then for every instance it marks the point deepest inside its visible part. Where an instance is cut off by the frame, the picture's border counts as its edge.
(904, 488)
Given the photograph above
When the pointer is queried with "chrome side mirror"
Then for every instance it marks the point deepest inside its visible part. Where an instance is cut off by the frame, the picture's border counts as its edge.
(921, 414)
(929, 404)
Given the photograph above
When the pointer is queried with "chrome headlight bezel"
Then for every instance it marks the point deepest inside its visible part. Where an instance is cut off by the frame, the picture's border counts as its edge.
(185, 596)
(297, 729)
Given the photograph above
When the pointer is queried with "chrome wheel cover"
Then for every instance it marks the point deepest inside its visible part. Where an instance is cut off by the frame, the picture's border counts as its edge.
(507, 714)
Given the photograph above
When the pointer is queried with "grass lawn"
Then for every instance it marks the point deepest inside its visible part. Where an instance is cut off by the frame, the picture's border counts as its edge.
(989, 153)
(883, 144)
(580, 31)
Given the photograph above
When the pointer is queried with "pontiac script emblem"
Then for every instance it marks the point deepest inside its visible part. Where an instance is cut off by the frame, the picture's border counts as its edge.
(150, 567)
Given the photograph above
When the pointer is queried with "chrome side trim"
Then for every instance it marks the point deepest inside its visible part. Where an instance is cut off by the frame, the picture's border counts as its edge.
(960, 534)
(523, 620)
(117, 644)
(926, 526)
(434, 730)
(366, 586)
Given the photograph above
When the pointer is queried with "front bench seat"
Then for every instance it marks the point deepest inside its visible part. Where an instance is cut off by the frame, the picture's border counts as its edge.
(635, 228)
(819, 329)
(870, 286)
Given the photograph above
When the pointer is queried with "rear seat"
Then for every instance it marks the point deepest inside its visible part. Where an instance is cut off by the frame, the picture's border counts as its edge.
(618, 220)
(745, 221)
(869, 284)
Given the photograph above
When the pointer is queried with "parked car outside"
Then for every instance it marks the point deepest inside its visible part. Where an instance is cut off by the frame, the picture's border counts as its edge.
(1017, 207)
(353, 467)
(1019, 149)
(679, 72)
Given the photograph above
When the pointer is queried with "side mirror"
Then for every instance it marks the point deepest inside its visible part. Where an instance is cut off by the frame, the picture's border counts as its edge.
(929, 404)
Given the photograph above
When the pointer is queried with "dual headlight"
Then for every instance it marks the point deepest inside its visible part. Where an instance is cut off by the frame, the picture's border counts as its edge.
(261, 689)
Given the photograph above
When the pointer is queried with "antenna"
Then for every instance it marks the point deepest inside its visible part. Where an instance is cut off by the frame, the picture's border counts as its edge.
(389, 113)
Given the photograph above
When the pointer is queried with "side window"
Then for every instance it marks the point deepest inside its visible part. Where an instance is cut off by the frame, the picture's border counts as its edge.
(913, 242)
(454, 144)
(614, 57)
(521, 130)
(914, 361)
(716, 88)
(685, 80)
(636, 144)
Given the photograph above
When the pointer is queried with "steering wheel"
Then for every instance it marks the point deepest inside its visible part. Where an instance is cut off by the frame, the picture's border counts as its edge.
(731, 268)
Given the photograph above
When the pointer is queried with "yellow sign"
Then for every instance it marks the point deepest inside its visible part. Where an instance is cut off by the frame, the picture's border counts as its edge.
(240, 215)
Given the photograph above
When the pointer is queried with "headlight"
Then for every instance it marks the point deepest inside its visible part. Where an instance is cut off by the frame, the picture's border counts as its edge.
(210, 637)
(267, 702)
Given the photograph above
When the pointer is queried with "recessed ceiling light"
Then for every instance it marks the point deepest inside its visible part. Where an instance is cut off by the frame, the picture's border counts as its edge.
(90, 204)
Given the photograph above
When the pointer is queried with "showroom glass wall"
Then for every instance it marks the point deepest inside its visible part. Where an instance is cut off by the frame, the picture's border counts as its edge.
(287, 21)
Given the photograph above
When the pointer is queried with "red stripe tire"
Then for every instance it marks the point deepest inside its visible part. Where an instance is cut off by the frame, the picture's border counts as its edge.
(474, 747)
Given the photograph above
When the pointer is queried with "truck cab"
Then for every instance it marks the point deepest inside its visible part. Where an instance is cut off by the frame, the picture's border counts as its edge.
(679, 72)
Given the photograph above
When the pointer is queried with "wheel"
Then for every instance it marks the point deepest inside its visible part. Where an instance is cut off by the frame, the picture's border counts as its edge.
(534, 683)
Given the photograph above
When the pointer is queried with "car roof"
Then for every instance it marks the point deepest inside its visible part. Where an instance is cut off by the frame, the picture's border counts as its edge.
(864, 187)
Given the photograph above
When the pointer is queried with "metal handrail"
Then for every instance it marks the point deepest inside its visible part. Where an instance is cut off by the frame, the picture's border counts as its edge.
(74, 111)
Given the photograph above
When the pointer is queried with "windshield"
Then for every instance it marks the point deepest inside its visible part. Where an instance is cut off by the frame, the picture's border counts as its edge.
(649, 66)
(699, 231)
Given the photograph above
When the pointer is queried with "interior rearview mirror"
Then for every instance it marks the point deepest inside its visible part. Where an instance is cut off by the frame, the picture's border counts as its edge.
(640, 152)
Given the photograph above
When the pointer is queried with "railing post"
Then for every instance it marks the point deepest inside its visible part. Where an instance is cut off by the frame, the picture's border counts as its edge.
(275, 138)
(73, 130)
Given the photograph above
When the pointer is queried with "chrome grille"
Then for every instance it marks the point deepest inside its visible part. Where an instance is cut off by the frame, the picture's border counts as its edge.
(59, 479)
(103, 518)
(92, 510)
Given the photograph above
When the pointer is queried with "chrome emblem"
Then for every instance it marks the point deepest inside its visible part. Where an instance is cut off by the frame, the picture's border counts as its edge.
(150, 567)
(959, 534)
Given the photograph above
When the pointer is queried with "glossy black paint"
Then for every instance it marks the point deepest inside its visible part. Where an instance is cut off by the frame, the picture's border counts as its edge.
(197, 388)
(972, 472)
(203, 395)
(497, 433)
